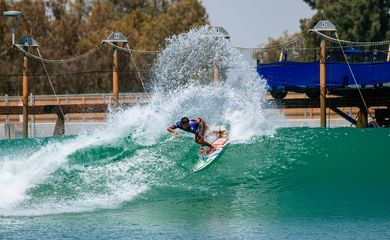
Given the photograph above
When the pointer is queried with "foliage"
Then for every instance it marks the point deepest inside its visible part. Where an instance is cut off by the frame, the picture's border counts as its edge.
(355, 20)
(66, 28)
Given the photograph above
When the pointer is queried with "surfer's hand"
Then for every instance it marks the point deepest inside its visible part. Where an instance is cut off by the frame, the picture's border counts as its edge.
(176, 134)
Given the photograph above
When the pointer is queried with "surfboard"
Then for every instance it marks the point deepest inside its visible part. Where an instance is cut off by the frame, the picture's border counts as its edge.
(207, 159)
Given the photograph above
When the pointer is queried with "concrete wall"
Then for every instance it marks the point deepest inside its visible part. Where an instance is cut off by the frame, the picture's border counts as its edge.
(39, 130)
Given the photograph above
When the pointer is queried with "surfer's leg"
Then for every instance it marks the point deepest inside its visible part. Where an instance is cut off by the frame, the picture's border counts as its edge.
(202, 142)
(206, 132)
(216, 132)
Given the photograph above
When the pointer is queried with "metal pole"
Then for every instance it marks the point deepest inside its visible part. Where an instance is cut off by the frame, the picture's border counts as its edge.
(25, 97)
(115, 76)
(323, 84)
(32, 125)
(305, 110)
(13, 29)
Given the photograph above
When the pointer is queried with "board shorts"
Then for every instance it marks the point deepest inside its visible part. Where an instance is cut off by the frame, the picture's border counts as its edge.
(203, 128)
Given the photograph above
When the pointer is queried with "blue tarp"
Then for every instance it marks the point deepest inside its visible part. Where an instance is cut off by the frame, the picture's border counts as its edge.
(338, 75)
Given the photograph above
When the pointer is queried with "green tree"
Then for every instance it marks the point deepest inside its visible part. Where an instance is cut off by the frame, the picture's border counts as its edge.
(3, 26)
(355, 20)
(66, 28)
(178, 17)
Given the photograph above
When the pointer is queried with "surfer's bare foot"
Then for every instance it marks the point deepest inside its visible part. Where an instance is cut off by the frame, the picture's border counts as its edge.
(201, 151)
(211, 150)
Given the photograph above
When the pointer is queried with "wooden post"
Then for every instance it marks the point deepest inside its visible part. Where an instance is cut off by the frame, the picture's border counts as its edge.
(115, 76)
(216, 71)
(281, 56)
(362, 118)
(25, 97)
(388, 55)
(32, 124)
(323, 84)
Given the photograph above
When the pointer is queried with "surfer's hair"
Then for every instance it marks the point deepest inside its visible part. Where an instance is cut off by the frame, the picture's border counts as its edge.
(184, 120)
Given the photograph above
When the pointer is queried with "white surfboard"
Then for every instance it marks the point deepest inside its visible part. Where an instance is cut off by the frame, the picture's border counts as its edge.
(219, 144)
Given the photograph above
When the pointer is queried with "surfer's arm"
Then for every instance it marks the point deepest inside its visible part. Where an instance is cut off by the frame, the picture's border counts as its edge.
(171, 130)
(200, 137)
(199, 132)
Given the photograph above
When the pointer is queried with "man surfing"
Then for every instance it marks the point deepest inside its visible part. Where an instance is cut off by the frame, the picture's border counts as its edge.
(196, 126)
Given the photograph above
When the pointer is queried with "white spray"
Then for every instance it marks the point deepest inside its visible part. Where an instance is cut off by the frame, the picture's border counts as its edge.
(182, 86)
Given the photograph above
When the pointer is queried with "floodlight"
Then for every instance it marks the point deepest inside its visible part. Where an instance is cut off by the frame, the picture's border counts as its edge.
(12, 14)
(15, 15)
(324, 26)
(222, 31)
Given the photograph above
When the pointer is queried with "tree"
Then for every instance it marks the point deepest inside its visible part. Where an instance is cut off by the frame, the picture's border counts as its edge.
(178, 17)
(3, 25)
(67, 28)
(355, 20)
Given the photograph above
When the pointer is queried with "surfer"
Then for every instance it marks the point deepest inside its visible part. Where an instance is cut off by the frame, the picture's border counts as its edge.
(196, 126)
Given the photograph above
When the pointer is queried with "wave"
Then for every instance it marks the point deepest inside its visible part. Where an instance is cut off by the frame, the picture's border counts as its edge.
(133, 156)
(292, 169)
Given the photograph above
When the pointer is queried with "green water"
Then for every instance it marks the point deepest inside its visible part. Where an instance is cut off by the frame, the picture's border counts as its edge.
(299, 183)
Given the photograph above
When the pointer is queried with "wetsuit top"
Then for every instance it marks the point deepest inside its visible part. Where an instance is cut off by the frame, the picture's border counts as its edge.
(194, 127)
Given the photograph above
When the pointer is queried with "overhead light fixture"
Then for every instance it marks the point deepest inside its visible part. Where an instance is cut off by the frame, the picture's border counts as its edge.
(14, 15)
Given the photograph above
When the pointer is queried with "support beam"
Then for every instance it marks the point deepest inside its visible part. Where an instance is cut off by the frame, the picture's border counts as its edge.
(25, 97)
(323, 84)
(59, 128)
(362, 119)
(382, 116)
(344, 115)
(372, 101)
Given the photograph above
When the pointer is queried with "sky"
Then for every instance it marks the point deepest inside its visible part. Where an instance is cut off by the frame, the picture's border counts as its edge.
(251, 22)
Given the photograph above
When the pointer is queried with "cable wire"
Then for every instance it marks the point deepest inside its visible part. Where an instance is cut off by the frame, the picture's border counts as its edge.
(128, 49)
(54, 91)
(68, 60)
(354, 79)
(361, 44)
(136, 67)
(275, 46)
(5, 51)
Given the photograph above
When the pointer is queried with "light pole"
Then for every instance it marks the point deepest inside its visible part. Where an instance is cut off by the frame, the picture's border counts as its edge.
(15, 15)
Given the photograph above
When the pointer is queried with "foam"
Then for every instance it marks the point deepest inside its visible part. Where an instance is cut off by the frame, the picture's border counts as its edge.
(182, 86)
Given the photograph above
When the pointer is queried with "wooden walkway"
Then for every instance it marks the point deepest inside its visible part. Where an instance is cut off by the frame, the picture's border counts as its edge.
(76, 107)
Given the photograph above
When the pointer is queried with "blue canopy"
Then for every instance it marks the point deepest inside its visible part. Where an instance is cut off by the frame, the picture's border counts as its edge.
(338, 75)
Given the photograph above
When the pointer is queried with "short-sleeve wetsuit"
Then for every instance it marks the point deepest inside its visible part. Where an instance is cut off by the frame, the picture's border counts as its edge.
(195, 127)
